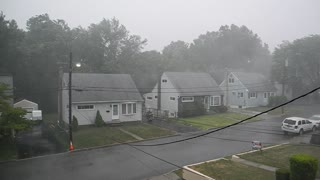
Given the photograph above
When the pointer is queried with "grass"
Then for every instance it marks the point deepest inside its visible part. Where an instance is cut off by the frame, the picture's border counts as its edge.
(91, 136)
(287, 110)
(7, 151)
(212, 121)
(226, 169)
(279, 156)
(147, 131)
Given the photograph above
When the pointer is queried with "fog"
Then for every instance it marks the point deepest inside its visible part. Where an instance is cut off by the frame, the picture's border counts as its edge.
(161, 22)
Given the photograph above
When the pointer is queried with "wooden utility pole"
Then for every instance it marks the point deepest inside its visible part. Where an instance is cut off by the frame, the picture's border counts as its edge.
(159, 95)
(285, 65)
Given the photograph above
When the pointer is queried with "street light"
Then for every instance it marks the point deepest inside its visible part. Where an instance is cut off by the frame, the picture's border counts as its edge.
(70, 102)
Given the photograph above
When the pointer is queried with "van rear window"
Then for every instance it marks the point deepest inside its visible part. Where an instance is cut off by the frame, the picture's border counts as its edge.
(289, 121)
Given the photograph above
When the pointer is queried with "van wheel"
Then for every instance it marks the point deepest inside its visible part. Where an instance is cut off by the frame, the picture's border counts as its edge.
(301, 132)
(285, 132)
(314, 129)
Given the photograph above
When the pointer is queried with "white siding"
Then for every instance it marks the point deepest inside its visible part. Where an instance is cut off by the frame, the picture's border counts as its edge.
(167, 91)
(87, 116)
(234, 100)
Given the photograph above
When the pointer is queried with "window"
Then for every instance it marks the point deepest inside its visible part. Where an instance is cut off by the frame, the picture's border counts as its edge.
(231, 79)
(156, 97)
(233, 93)
(85, 107)
(252, 95)
(240, 94)
(265, 95)
(129, 108)
(149, 98)
(134, 108)
(124, 108)
(164, 80)
(187, 99)
(172, 98)
(215, 101)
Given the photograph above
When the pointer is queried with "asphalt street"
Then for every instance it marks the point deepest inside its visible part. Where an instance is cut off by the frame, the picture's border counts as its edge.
(124, 162)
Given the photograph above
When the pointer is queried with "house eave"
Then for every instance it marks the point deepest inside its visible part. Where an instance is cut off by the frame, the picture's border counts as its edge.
(99, 102)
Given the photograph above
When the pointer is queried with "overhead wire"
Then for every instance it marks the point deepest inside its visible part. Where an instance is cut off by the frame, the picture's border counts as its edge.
(231, 125)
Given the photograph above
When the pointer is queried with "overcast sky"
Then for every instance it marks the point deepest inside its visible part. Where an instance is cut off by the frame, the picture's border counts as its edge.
(163, 21)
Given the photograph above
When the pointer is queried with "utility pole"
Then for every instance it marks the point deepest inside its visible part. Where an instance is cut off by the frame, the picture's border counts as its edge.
(285, 65)
(227, 87)
(70, 103)
(159, 95)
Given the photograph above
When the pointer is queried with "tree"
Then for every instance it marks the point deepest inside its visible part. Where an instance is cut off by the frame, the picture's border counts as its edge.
(176, 55)
(11, 119)
(99, 121)
(230, 47)
(11, 38)
(303, 60)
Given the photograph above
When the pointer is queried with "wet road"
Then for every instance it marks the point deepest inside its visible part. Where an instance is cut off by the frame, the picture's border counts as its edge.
(125, 162)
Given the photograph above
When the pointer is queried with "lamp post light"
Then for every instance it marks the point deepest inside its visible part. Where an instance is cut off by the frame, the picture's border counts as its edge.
(70, 101)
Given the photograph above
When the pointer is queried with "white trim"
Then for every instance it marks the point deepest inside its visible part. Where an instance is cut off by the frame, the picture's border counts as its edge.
(127, 105)
(190, 100)
(212, 100)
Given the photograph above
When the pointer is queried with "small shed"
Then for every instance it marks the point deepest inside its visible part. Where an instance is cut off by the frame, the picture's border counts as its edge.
(29, 106)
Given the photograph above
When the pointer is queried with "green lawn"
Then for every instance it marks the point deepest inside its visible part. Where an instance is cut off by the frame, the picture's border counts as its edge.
(211, 121)
(146, 131)
(7, 151)
(279, 156)
(91, 136)
(287, 110)
(226, 169)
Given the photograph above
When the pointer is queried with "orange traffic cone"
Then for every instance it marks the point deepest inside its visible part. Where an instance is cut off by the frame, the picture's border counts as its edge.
(71, 147)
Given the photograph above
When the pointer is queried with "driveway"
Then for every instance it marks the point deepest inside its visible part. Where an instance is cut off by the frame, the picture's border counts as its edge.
(125, 162)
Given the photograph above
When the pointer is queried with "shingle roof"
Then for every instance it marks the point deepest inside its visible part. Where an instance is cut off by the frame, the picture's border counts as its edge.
(102, 87)
(194, 84)
(255, 82)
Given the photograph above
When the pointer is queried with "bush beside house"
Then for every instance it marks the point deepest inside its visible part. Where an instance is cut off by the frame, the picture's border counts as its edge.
(75, 123)
(99, 121)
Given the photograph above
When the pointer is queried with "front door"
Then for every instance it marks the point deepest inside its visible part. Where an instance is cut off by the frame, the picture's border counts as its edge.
(115, 111)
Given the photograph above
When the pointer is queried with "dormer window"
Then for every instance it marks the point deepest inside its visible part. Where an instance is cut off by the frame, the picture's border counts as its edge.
(164, 80)
(231, 79)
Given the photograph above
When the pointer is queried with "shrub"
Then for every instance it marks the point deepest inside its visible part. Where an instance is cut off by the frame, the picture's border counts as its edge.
(276, 100)
(282, 174)
(74, 123)
(303, 166)
(220, 109)
(98, 121)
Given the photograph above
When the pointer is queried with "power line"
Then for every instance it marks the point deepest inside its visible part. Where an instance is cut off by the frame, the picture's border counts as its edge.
(228, 126)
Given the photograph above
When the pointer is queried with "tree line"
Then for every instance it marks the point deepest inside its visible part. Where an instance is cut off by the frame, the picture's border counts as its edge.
(34, 56)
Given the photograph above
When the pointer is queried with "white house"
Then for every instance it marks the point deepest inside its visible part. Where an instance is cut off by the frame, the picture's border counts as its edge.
(184, 93)
(243, 89)
(115, 96)
(30, 107)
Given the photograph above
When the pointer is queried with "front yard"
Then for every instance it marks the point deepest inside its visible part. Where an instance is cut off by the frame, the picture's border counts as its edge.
(7, 151)
(206, 122)
(279, 156)
(227, 169)
(91, 136)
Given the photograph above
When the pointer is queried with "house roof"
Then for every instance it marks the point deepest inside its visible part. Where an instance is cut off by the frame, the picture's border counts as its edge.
(255, 82)
(194, 84)
(89, 87)
(25, 101)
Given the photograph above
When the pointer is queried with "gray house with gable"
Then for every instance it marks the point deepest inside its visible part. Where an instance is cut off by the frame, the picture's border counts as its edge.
(185, 93)
(114, 95)
(243, 89)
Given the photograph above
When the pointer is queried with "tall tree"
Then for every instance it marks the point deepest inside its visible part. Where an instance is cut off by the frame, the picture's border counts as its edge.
(10, 44)
(303, 64)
